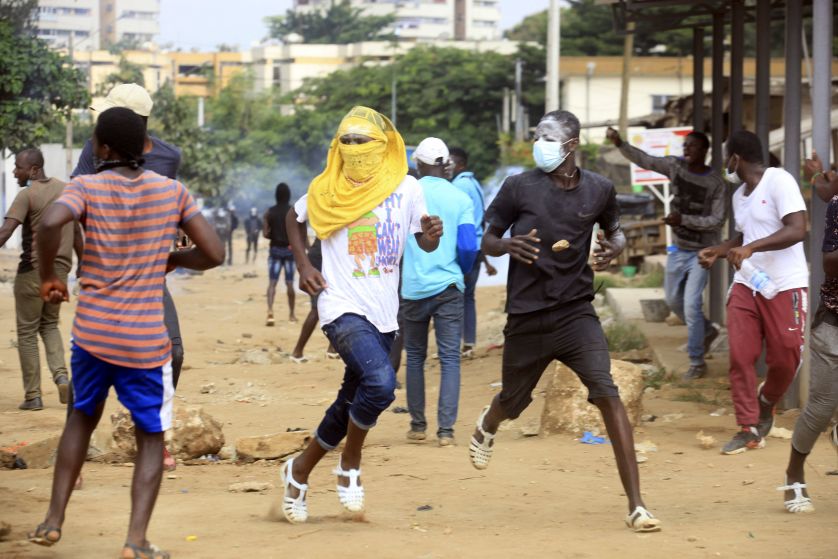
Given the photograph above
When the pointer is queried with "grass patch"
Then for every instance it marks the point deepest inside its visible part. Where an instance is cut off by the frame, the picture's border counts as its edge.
(699, 397)
(623, 336)
(653, 279)
(606, 280)
(656, 379)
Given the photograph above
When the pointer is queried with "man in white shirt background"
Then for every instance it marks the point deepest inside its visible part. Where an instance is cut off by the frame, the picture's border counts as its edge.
(770, 217)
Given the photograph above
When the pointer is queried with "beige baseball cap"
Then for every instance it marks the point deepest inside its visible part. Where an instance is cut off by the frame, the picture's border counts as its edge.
(128, 95)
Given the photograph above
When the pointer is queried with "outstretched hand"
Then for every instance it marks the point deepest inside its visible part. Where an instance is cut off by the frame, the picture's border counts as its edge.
(613, 136)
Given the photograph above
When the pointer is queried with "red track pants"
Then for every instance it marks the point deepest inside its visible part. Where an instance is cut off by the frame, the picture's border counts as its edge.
(751, 318)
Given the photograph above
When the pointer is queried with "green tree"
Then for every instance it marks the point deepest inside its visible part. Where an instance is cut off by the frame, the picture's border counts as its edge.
(126, 72)
(339, 24)
(454, 94)
(204, 161)
(19, 14)
(37, 85)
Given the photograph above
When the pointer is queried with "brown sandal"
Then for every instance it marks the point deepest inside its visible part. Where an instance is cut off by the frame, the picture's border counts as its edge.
(41, 535)
(150, 552)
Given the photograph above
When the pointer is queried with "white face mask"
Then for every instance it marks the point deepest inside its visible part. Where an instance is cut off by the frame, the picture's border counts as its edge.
(732, 176)
(549, 156)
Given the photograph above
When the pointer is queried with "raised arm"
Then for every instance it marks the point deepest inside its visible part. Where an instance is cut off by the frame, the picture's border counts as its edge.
(662, 165)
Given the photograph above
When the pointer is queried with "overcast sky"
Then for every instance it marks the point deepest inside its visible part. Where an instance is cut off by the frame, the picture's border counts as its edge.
(204, 24)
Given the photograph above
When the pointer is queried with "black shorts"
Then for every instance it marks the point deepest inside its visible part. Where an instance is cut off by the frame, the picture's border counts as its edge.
(571, 334)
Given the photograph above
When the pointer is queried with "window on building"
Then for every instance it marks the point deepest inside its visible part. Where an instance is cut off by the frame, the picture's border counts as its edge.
(277, 74)
(659, 103)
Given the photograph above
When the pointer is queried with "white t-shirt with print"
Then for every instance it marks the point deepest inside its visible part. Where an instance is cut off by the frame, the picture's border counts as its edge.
(760, 215)
(361, 261)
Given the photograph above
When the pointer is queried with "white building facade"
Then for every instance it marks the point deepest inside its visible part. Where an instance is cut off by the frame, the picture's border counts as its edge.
(96, 24)
(425, 20)
(58, 20)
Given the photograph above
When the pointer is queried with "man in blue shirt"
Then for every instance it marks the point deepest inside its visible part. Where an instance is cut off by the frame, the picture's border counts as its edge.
(432, 287)
(468, 184)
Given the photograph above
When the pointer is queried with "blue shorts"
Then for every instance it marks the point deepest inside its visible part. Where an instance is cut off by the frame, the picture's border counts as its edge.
(147, 393)
(279, 259)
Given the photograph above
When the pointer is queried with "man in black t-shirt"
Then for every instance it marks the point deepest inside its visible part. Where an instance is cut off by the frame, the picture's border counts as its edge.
(552, 211)
(280, 256)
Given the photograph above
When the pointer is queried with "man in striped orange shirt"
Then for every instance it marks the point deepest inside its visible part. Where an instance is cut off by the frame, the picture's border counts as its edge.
(131, 217)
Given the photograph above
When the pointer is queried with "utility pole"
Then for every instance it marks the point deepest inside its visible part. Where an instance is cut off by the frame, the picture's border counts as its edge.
(628, 48)
(588, 75)
(68, 137)
(551, 99)
(520, 125)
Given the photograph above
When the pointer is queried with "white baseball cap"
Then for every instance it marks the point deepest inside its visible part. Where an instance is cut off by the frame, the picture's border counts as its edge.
(128, 95)
(430, 151)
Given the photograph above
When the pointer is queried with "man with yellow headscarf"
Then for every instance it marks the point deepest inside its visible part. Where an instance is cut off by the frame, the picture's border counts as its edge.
(362, 206)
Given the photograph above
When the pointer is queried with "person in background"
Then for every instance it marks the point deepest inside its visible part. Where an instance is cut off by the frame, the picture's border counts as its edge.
(280, 256)
(234, 224)
(315, 256)
(432, 289)
(770, 217)
(697, 215)
(823, 345)
(252, 230)
(32, 314)
(549, 293)
(470, 186)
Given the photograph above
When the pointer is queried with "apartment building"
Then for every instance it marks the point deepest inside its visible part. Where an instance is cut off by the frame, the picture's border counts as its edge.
(96, 24)
(58, 20)
(426, 20)
(129, 21)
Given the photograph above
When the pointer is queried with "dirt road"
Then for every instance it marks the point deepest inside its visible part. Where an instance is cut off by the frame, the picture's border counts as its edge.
(541, 497)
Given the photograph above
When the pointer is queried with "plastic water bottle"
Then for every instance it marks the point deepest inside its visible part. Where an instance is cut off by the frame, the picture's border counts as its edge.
(759, 280)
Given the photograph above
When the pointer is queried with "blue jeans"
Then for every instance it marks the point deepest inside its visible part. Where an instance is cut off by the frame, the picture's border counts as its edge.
(369, 382)
(446, 309)
(469, 306)
(684, 287)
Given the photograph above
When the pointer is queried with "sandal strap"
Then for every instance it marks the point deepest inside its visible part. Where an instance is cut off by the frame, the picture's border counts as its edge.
(796, 487)
(289, 479)
(151, 551)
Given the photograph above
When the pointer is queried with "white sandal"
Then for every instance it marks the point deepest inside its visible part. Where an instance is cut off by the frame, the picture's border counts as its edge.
(481, 452)
(799, 503)
(351, 497)
(295, 510)
(641, 520)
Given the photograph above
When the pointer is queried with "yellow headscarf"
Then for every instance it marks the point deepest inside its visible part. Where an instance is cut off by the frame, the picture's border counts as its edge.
(357, 177)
